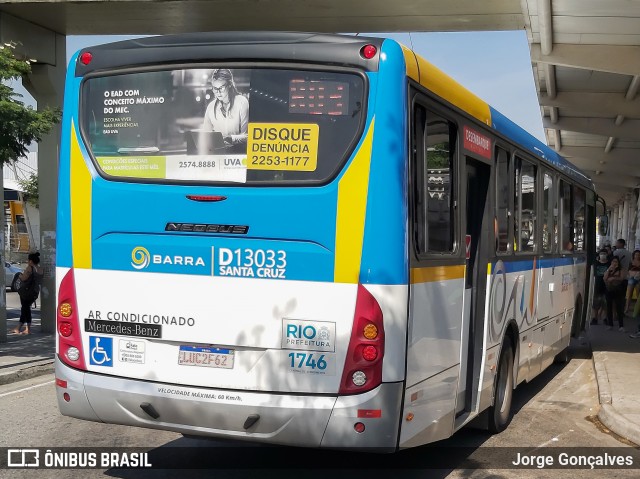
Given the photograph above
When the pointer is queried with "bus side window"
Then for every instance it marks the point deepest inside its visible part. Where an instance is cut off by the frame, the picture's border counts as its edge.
(502, 201)
(566, 213)
(578, 206)
(525, 206)
(434, 150)
(547, 212)
(419, 213)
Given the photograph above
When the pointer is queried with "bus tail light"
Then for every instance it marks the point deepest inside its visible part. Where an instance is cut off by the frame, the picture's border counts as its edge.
(86, 58)
(368, 51)
(363, 364)
(69, 337)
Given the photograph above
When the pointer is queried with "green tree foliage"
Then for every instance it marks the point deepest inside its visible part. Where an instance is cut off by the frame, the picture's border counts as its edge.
(30, 187)
(439, 155)
(20, 124)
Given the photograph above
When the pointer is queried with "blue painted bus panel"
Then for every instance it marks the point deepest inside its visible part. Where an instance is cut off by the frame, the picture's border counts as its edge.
(508, 128)
(384, 258)
(230, 257)
(298, 215)
(517, 266)
(70, 111)
(306, 214)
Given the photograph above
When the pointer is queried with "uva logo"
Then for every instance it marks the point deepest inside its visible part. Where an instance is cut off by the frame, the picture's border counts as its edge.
(235, 162)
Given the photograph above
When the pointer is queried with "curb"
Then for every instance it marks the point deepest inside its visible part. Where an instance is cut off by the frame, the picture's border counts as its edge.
(602, 378)
(608, 414)
(619, 424)
(45, 366)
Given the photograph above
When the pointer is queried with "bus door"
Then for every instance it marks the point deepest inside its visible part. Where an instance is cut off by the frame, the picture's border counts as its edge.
(476, 249)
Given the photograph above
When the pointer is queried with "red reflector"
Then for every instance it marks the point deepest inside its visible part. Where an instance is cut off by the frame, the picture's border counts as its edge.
(206, 198)
(369, 413)
(370, 353)
(65, 329)
(86, 58)
(61, 383)
(66, 397)
(368, 51)
(359, 427)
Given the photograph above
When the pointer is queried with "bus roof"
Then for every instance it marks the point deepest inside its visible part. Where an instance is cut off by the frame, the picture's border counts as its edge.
(435, 80)
(335, 49)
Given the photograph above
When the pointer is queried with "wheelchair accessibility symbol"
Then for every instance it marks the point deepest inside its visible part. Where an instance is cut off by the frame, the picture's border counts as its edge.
(101, 351)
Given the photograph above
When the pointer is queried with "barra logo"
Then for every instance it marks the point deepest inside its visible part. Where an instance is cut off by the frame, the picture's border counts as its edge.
(140, 257)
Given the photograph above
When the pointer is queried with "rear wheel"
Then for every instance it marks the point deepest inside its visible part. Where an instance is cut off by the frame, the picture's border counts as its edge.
(563, 356)
(500, 413)
(577, 324)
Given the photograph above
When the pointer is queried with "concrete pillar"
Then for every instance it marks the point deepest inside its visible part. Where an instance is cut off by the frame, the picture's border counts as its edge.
(633, 221)
(614, 224)
(637, 229)
(47, 49)
(624, 231)
(46, 84)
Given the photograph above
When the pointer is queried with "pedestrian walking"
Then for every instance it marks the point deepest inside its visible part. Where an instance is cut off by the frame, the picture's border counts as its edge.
(28, 291)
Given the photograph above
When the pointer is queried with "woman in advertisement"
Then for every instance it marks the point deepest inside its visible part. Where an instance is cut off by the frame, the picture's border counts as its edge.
(228, 113)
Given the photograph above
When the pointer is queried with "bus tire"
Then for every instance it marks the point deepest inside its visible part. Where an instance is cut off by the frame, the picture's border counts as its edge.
(563, 356)
(577, 324)
(499, 415)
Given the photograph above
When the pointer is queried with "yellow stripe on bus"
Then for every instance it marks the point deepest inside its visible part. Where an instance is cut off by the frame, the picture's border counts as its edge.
(446, 87)
(352, 206)
(80, 206)
(437, 273)
(412, 64)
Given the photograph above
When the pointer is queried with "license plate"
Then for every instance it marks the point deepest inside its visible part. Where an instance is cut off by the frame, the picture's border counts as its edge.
(206, 357)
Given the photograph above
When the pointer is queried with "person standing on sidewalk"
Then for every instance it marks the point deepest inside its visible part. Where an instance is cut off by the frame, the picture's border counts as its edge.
(616, 282)
(623, 254)
(29, 290)
(634, 278)
(600, 289)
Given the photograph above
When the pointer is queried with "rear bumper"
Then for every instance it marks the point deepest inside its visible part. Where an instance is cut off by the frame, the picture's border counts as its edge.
(310, 421)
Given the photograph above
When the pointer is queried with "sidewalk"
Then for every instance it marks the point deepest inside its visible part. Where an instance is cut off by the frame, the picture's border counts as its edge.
(616, 359)
(24, 356)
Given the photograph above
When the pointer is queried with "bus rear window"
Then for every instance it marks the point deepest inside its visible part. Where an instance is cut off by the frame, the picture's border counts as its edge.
(222, 125)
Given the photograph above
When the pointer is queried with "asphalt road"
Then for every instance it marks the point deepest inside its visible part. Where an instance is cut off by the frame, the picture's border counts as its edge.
(553, 411)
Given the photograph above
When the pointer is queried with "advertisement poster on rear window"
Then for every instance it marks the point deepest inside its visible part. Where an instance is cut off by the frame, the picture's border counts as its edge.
(220, 124)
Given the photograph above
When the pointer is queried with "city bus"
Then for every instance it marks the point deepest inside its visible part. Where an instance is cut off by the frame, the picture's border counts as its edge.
(305, 239)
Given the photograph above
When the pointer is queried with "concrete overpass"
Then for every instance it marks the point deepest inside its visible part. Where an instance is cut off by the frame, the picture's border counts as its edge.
(585, 58)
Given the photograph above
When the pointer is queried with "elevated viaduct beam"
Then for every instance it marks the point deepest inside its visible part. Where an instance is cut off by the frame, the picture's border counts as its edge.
(158, 16)
(623, 59)
(599, 104)
(629, 130)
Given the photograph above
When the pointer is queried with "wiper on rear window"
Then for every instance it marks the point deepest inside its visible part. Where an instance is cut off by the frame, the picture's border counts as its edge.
(140, 149)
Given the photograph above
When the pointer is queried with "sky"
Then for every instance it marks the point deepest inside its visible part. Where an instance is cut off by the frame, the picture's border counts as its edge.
(496, 66)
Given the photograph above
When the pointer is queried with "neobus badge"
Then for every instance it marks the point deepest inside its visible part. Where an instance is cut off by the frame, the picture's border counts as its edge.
(308, 335)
